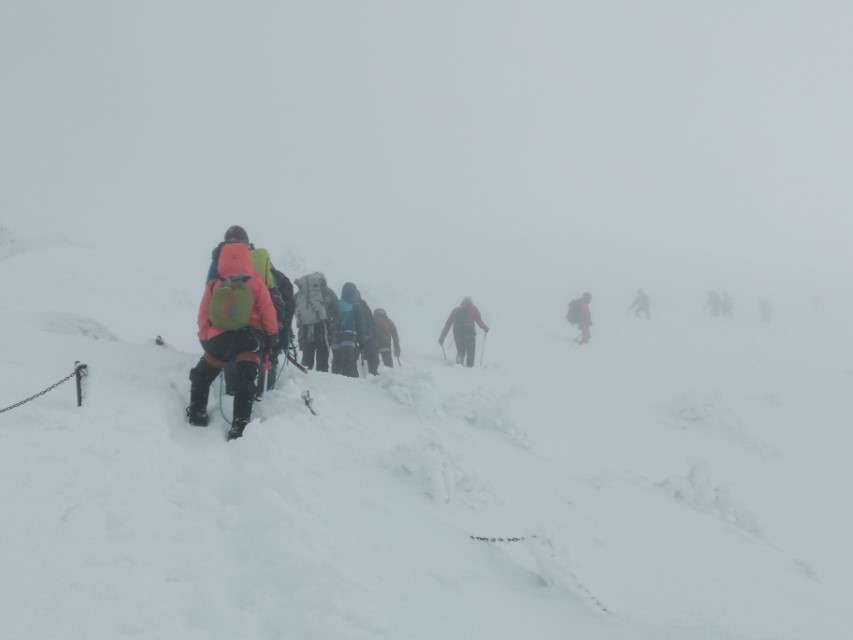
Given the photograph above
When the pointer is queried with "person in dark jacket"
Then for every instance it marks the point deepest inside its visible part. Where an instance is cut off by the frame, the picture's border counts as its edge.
(714, 303)
(246, 345)
(348, 333)
(641, 304)
(386, 337)
(282, 300)
(285, 288)
(463, 320)
(369, 350)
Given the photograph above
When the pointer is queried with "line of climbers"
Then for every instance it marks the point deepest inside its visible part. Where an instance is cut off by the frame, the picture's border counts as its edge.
(346, 326)
(244, 325)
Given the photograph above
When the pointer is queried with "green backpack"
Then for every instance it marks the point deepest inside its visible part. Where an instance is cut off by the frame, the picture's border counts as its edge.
(231, 303)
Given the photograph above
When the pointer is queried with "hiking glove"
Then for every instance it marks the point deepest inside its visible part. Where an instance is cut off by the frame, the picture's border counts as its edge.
(486, 329)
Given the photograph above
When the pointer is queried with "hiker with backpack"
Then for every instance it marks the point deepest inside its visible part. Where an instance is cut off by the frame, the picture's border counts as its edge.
(269, 365)
(369, 349)
(641, 304)
(348, 332)
(714, 303)
(386, 337)
(579, 314)
(316, 308)
(236, 322)
(464, 319)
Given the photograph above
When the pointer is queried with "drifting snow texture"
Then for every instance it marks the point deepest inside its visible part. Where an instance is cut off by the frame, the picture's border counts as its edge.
(70, 325)
(698, 491)
(440, 474)
(691, 411)
(122, 521)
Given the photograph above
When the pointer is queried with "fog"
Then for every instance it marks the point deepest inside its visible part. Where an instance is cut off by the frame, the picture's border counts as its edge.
(683, 477)
(468, 146)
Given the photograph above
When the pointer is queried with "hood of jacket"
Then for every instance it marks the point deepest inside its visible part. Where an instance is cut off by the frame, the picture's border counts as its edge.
(349, 293)
(234, 260)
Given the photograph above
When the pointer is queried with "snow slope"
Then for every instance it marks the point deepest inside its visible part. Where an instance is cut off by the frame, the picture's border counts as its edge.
(678, 479)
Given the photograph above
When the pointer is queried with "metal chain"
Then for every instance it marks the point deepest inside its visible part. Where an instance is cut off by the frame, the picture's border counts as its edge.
(481, 539)
(40, 393)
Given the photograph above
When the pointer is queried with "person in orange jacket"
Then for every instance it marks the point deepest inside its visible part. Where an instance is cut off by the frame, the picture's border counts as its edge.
(463, 320)
(386, 337)
(246, 345)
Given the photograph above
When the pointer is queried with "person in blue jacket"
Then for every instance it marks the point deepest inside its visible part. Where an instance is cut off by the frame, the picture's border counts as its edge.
(348, 332)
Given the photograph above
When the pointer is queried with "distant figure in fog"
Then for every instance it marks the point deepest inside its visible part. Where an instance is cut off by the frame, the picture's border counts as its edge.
(713, 303)
(817, 303)
(579, 314)
(764, 310)
(463, 320)
(726, 305)
(641, 304)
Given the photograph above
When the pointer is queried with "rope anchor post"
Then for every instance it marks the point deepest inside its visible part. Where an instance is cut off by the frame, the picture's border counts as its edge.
(80, 371)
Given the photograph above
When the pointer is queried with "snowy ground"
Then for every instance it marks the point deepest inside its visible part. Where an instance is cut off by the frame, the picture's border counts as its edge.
(677, 479)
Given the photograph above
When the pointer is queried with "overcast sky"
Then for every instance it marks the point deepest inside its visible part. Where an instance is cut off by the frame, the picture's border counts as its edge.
(704, 138)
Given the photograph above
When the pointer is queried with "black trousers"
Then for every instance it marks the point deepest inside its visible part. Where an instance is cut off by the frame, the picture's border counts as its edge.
(314, 343)
(272, 369)
(466, 344)
(370, 352)
(345, 362)
(387, 358)
(243, 347)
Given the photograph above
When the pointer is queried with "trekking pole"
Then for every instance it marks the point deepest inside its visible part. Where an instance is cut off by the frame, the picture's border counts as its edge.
(442, 350)
(281, 367)
(483, 352)
(296, 364)
(401, 364)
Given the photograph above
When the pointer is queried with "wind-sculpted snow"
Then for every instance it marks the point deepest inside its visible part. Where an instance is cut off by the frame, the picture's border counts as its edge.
(413, 388)
(621, 507)
(698, 491)
(440, 474)
(477, 407)
(484, 410)
(711, 415)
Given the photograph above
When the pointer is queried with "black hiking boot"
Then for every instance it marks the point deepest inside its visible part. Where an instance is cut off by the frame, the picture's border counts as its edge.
(197, 415)
(237, 429)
